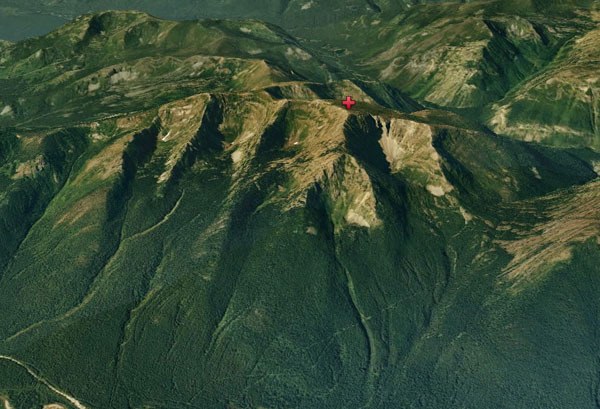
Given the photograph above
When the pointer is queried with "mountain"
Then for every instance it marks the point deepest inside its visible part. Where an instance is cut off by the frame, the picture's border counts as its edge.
(505, 69)
(289, 13)
(560, 104)
(498, 62)
(190, 218)
(25, 18)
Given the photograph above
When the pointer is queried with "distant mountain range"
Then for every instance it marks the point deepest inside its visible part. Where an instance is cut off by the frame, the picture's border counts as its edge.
(189, 218)
(34, 17)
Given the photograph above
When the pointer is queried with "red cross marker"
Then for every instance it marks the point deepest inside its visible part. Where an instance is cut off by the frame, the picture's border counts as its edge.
(348, 102)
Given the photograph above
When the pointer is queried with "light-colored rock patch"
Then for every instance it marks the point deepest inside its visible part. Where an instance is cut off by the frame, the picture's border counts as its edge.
(522, 29)
(237, 156)
(308, 5)
(466, 215)
(312, 230)
(93, 87)
(6, 111)
(351, 196)
(408, 146)
(437, 191)
(123, 76)
(500, 118)
(297, 53)
(6, 403)
(30, 168)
